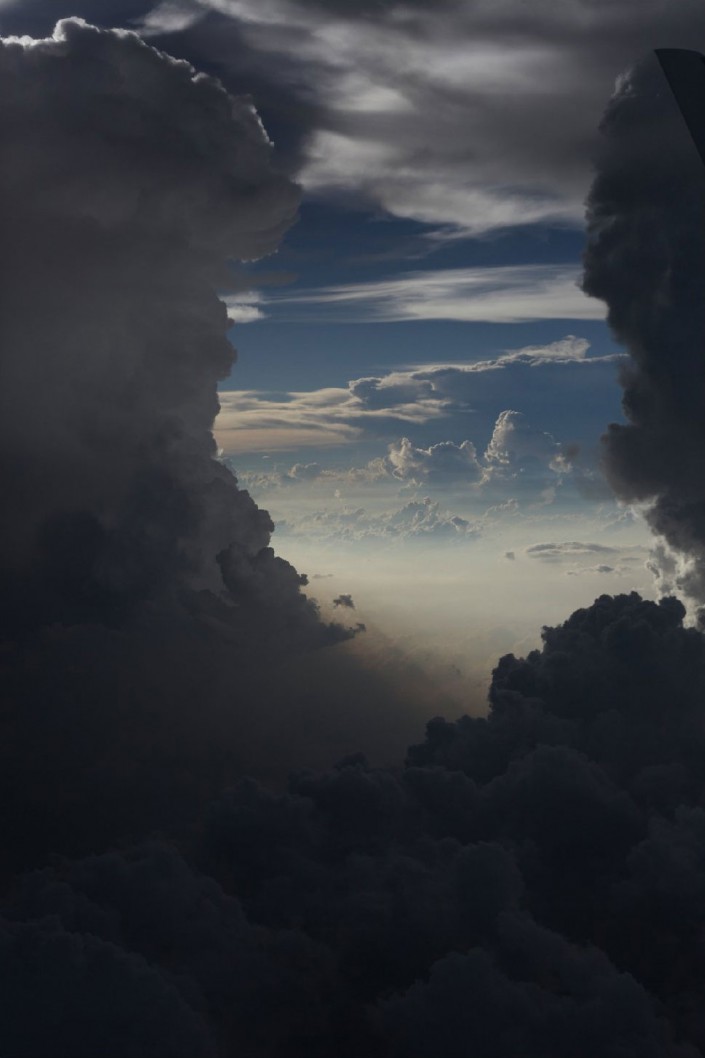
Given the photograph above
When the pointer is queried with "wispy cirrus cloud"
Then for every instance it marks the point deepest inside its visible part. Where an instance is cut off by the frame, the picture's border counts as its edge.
(506, 294)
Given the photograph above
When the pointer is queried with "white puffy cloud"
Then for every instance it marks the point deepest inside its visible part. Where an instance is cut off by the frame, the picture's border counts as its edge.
(516, 445)
(442, 463)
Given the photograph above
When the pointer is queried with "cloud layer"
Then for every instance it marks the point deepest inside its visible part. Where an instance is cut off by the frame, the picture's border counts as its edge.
(467, 117)
(470, 395)
(519, 887)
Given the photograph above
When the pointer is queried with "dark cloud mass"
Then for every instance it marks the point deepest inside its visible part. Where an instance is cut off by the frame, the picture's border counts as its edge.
(130, 182)
(136, 577)
(527, 885)
(646, 259)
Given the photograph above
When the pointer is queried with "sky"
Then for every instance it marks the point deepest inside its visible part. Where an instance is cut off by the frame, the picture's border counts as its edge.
(352, 569)
(428, 293)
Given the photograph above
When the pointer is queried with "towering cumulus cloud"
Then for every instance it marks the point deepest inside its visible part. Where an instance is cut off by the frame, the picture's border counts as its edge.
(128, 181)
(646, 259)
(139, 591)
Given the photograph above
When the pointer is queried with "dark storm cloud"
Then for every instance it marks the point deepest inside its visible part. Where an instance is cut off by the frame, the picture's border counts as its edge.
(344, 600)
(470, 115)
(529, 883)
(130, 182)
(138, 584)
(646, 259)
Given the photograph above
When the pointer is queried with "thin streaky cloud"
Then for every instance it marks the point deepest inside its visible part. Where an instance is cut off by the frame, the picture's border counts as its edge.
(506, 294)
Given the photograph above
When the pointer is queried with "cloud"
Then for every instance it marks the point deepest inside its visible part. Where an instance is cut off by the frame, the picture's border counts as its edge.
(53, 976)
(419, 521)
(646, 259)
(387, 404)
(306, 471)
(137, 577)
(516, 444)
(564, 350)
(519, 884)
(389, 392)
(470, 120)
(170, 16)
(503, 294)
(260, 421)
(516, 886)
(518, 457)
(476, 121)
(424, 519)
(115, 497)
(242, 307)
(344, 600)
(439, 464)
(590, 569)
(551, 552)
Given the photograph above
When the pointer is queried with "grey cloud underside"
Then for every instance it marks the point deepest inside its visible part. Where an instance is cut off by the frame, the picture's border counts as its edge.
(129, 183)
(491, 113)
(646, 259)
(462, 115)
